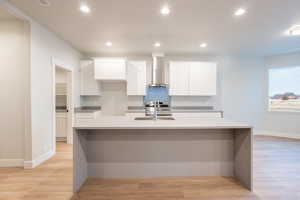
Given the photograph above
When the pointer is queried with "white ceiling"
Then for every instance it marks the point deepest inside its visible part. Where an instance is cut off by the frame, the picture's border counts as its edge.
(134, 25)
(4, 15)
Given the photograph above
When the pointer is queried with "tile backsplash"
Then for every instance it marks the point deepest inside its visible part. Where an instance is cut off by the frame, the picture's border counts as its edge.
(156, 93)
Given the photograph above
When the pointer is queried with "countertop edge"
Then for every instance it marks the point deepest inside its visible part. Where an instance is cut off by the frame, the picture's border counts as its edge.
(173, 127)
(179, 111)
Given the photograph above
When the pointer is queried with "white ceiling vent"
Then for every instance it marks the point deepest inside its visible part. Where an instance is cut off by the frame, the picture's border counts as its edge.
(44, 2)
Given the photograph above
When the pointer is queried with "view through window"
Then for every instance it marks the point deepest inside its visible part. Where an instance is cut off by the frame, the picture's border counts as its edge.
(284, 89)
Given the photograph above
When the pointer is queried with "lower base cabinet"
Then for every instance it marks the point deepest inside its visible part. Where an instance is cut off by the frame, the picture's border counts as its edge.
(61, 125)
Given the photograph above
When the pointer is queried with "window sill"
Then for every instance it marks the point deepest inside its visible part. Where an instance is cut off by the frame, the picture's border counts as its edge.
(283, 111)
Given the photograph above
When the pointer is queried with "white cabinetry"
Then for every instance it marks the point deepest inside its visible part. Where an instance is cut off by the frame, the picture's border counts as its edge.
(110, 69)
(198, 115)
(136, 78)
(83, 116)
(61, 125)
(203, 79)
(137, 114)
(178, 79)
(89, 85)
(192, 78)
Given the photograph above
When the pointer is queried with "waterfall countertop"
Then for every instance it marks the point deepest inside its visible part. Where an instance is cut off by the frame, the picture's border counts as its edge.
(123, 122)
(122, 147)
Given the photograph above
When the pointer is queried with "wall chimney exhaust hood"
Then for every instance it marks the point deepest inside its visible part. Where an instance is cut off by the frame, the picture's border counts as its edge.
(158, 72)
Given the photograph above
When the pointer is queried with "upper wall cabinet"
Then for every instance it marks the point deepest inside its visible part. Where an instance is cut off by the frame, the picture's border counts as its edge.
(203, 78)
(179, 78)
(193, 78)
(88, 85)
(110, 69)
(136, 78)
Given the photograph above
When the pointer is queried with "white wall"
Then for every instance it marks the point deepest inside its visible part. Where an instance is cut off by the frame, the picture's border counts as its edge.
(242, 90)
(14, 79)
(285, 124)
(45, 46)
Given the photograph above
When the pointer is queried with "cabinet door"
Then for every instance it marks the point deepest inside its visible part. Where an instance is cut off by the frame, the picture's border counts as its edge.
(136, 78)
(89, 85)
(179, 78)
(203, 79)
(110, 70)
(61, 125)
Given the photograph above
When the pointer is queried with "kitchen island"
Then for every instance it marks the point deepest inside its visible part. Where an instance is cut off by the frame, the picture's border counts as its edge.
(121, 147)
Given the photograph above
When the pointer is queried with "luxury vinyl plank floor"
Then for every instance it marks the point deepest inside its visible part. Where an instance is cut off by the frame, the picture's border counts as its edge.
(276, 177)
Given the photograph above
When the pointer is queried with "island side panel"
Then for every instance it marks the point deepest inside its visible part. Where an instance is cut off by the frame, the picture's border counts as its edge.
(160, 153)
(243, 157)
(80, 164)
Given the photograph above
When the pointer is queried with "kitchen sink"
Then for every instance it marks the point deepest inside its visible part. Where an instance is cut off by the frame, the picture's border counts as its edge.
(151, 118)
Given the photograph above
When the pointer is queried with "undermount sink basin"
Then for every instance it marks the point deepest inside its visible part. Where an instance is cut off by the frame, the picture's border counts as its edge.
(151, 118)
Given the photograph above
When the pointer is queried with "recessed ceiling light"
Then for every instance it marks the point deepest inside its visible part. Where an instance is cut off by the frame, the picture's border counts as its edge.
(165, 10)
(108, 43)
(85, 8)
(240, 12)
(203, 45)
(294, 30)
(157, 44)
(44, 2)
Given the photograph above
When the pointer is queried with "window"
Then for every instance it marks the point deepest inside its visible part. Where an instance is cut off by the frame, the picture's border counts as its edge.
(284, 89)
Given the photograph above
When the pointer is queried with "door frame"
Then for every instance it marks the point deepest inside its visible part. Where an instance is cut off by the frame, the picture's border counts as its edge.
(70, 83)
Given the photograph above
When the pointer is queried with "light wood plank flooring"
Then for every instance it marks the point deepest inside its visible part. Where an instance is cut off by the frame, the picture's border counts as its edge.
(277, 168)
(50, 181)
(276, 176)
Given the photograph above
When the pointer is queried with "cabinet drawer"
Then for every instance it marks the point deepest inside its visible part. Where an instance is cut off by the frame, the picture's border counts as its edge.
(199, 115)
(135, 114)
(87, 115)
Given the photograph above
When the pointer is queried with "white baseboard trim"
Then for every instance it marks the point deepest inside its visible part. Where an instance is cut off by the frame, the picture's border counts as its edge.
(278, 134)
(36, 162)
(11, 162)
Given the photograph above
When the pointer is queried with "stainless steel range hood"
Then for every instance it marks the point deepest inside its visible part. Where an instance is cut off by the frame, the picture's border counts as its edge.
(158, 78)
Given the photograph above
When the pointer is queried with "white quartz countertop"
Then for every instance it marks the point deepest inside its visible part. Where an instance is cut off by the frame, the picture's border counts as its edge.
(116, 122)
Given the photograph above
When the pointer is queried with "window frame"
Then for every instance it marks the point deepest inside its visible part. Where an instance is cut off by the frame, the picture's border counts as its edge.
(269, 109)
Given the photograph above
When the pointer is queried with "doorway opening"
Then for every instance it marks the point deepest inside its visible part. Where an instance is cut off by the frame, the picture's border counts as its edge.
(63, 115)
